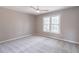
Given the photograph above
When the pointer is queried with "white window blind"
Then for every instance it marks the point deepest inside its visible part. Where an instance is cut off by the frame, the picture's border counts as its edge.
(51, 24)
(46, 24)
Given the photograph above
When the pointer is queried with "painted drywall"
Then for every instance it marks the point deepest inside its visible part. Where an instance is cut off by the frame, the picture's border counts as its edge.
(69, 24)
(14, 24)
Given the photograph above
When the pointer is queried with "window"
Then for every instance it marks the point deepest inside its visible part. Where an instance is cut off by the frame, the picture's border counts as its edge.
(46, 24)
(51, 24)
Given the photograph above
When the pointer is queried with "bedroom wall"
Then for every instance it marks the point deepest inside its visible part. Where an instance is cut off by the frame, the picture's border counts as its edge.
(15, 24)
(69, 24)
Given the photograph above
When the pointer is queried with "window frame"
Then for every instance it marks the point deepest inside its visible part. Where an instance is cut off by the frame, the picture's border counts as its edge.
(46, 24)
(55, 24)
(59, 25)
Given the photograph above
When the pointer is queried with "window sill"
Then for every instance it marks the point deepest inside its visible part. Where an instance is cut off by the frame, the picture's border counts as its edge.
(52, 33)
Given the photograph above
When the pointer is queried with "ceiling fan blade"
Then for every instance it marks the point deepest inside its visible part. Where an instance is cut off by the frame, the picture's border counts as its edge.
(33, 8)
(44, 10)
(37, 8)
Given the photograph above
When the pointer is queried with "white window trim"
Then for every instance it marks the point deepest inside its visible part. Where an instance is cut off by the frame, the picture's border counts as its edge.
(59, 24)
(51, 24)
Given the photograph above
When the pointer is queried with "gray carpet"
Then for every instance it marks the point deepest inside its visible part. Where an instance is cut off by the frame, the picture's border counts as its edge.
(37, 44)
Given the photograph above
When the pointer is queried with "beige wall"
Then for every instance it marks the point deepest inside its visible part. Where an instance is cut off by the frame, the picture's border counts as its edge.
(69, 24)
(14, 24)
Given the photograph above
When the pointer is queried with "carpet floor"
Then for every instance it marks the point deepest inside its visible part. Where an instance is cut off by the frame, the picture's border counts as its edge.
(38, 44)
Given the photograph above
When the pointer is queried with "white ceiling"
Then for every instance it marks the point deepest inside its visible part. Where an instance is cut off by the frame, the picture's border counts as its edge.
(29, 10)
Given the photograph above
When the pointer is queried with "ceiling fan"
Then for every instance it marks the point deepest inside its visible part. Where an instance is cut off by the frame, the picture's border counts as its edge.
(38, 10)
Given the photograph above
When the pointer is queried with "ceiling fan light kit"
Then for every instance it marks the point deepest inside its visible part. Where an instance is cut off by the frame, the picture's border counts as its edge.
(38, 11)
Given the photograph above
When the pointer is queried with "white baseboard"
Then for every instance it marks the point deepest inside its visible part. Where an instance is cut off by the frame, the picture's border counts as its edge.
(67, 40)
(16, 38)
(40, 35)
(62, 39)
(71, 41)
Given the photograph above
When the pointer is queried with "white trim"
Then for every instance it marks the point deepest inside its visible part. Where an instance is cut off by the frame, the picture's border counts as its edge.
(40, 35)
(67, 40)
(16, 38)
(62, 39)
